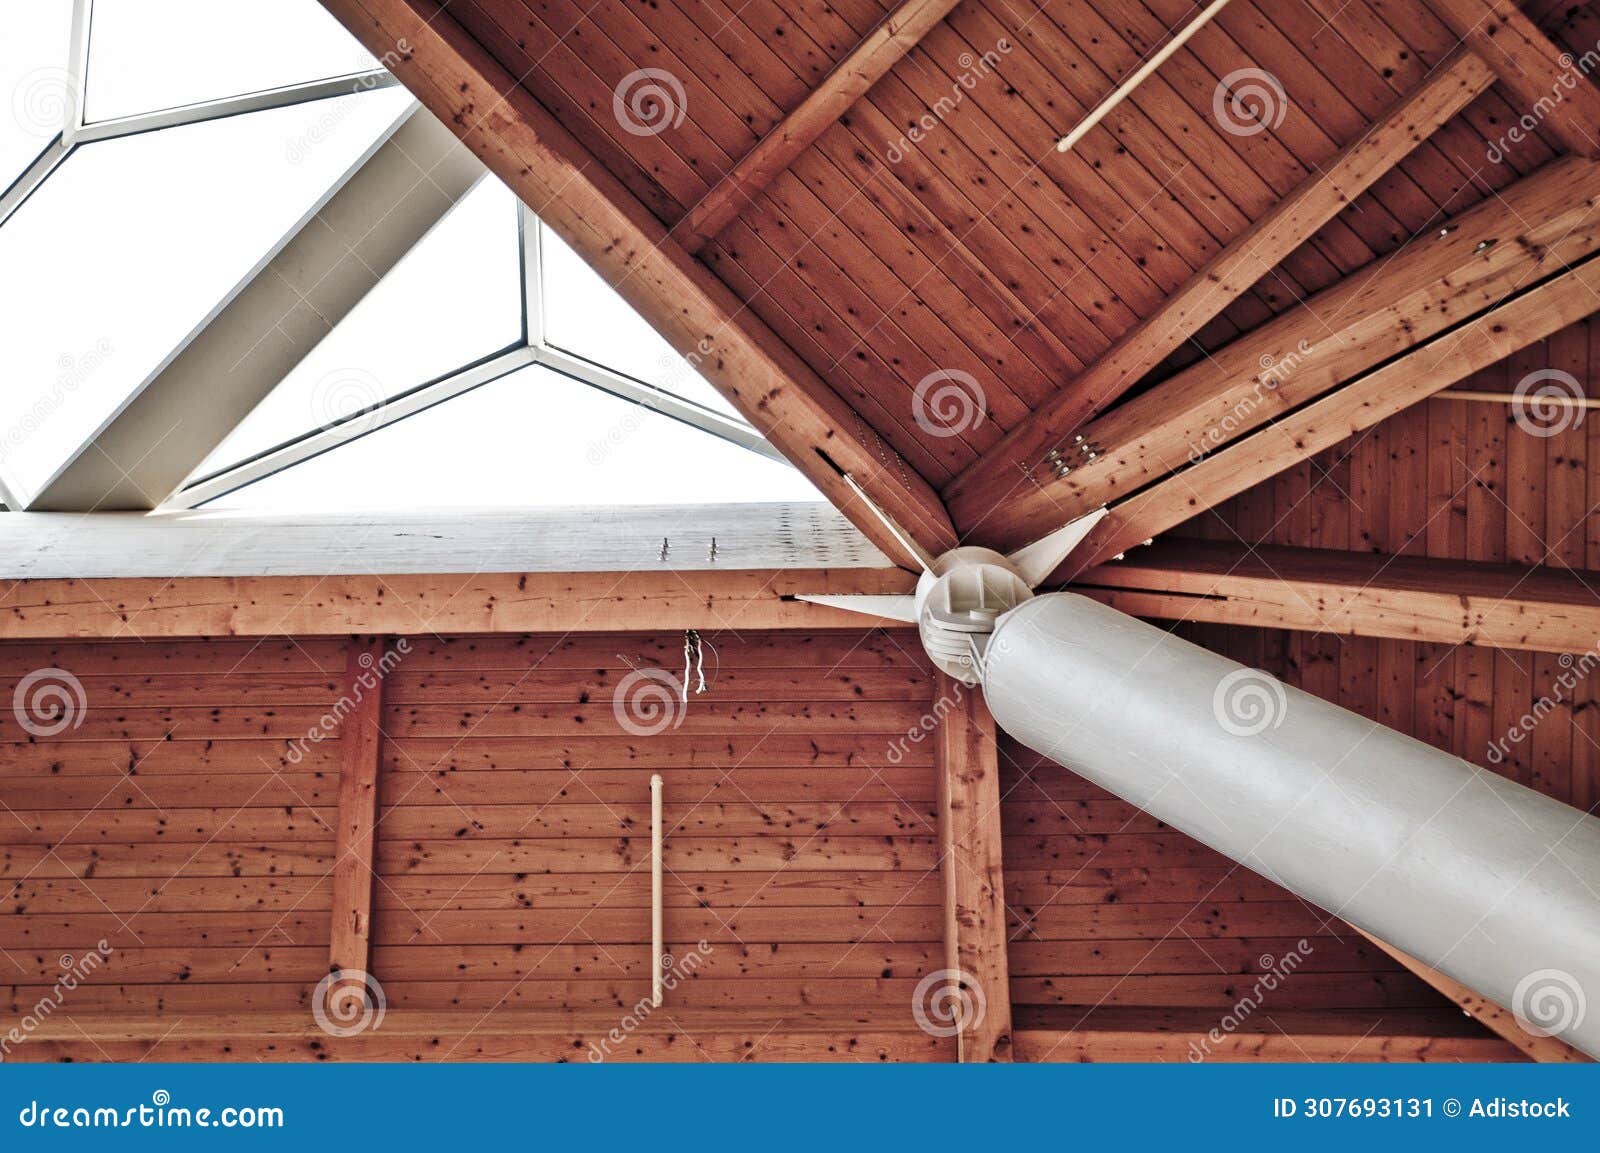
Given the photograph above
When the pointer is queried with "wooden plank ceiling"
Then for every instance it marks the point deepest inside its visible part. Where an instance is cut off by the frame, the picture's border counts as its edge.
(852, 217)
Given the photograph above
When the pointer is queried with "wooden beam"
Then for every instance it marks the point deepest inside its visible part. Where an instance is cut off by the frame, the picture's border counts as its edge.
(1533, 315)
(1356, 594)
(1494, 1018)
(557, 176)
(359, 713)
(1542, 81)
(879, 50)
(969, 861)
(1118, 1033)
(979, 493)
(1533, 230)
(443, 603)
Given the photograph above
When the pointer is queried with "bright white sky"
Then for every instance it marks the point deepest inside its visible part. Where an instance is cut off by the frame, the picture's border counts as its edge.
(97, 289)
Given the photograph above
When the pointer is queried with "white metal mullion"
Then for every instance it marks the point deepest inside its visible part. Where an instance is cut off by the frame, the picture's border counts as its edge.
(626, 388)
(78, 69)
(349, 85)
(32, 176)
(351, 428)
(532, 276)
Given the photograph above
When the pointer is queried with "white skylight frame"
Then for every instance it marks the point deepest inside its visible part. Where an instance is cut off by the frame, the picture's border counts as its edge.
(533, 347)
(75, 131)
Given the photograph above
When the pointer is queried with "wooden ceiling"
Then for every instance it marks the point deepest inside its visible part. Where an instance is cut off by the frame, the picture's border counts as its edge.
(1313, 215)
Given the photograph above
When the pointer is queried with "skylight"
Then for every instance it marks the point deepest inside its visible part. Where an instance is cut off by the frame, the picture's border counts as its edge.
(146, 55)
(534, 438)
(490, 366)
(90, 303)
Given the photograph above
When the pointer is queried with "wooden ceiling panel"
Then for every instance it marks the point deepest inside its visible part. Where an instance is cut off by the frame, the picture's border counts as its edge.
(931, 233)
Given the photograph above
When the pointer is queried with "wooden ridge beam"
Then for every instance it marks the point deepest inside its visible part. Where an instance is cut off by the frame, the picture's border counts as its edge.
(148, 607)
(359, 713)
(969, 861)
(1533, 315)
(979, 497)
(558, 176)
(1490, 1015)
(1356, 594)
(879, 51)
(1537, 227)
(1542, 80)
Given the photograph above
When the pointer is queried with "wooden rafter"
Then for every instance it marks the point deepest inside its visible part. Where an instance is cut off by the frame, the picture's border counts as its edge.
(360, 720)
(969, 859)
(1531, 231)
(1531, 316)
(557, 175)
(1543, 82)
(1492, 1016)
(977, 493)
(898, 33)
(1358, 594)
(443, 603)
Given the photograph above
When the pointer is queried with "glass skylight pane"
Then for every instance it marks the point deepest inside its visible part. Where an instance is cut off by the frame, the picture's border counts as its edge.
(133, 243)
(34, 78)
(585, 316)
(147, 55)
(454, 299)
(534, 438)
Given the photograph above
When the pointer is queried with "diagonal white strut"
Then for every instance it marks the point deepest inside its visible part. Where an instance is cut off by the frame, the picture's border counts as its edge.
(1489, 882)
(1483, 879)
